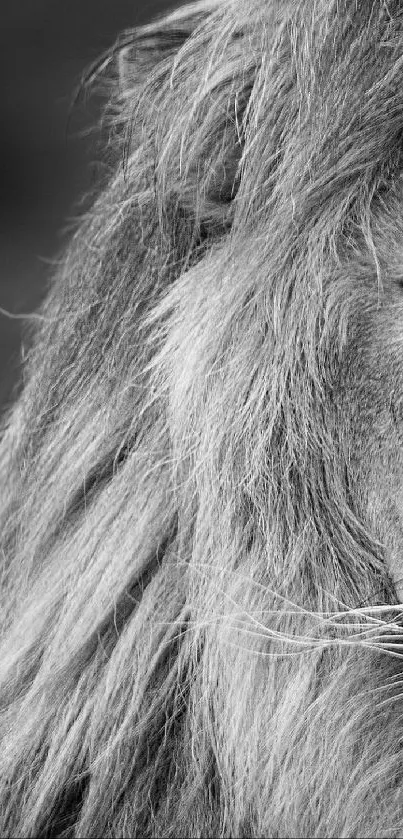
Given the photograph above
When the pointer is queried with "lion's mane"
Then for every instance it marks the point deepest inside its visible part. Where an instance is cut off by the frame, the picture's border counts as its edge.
(199, 633)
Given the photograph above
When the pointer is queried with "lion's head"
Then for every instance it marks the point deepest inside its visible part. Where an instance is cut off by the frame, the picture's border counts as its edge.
(202, 482)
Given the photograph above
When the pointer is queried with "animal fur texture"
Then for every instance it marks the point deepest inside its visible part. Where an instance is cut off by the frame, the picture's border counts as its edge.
(202, 480)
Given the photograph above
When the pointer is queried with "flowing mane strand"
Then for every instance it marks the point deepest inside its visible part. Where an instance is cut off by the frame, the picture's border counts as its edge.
(200, 509)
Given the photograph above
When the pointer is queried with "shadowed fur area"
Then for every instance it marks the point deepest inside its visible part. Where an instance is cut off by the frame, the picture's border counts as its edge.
(201, 502)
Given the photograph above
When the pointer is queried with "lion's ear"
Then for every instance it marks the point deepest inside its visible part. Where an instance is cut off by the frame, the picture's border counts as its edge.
(143, 50)
(139, 50)
(186, 115)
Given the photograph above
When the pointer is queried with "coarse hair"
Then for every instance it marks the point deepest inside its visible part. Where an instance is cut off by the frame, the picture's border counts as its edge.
(202, 479)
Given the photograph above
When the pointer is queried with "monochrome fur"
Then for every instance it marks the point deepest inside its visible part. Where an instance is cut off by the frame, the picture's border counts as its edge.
(202, 480)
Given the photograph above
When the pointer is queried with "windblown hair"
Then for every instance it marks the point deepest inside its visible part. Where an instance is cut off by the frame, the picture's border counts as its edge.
(202, 480)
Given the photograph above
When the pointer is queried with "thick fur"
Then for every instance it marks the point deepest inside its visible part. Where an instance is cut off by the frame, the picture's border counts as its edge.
(202, 481)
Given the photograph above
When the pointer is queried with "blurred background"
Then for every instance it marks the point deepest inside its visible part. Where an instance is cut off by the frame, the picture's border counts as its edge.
(47, 158)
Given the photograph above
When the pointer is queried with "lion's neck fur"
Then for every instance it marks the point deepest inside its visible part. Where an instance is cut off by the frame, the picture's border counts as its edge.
(198, 630)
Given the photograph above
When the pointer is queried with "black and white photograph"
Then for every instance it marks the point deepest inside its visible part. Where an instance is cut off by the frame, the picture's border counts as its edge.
(201, 419)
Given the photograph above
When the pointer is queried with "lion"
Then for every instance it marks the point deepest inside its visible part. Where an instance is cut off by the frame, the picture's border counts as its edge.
(202, 477)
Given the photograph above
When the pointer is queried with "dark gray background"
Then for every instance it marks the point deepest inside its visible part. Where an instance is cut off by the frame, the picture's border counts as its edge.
(45, 162)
